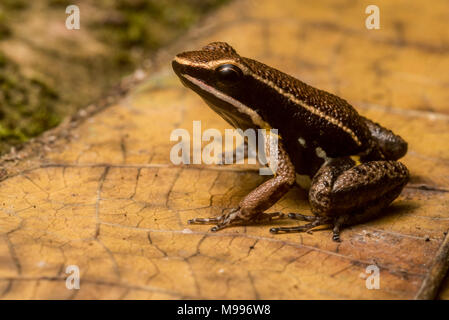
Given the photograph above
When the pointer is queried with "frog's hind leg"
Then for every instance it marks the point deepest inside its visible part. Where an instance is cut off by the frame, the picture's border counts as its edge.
(343, 193)
(355, 193)
(321, 181)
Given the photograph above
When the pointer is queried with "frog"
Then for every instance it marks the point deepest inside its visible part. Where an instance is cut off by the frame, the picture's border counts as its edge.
(351, 161)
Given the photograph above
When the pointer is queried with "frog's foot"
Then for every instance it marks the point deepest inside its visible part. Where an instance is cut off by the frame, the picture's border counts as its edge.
(226, 219)
(234, 217)
(315, 222)
(251, 207)
(298, 216)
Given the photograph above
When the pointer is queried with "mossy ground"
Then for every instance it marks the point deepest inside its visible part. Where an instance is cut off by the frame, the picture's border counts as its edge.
(27, 105)
(47, 73)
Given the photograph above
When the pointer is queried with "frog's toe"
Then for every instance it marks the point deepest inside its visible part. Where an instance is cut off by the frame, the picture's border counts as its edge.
(303, 228)
(222, 221)
(215, 220)
(336, 237)
(336, 232)
(299, 216)
(218, 227)
(315, 222)
(267, 217)
(288, 229)
(203, 220)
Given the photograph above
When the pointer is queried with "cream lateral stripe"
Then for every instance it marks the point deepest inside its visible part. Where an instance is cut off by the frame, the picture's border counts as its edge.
(255, 118)
(309, 108)
(215, 63)
(210, 64)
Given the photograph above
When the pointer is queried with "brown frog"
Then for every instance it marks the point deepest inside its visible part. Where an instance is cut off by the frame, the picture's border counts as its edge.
(319, 135)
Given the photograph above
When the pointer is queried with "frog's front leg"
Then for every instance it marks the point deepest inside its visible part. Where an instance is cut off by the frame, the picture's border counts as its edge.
(344, 194)
(251, 208)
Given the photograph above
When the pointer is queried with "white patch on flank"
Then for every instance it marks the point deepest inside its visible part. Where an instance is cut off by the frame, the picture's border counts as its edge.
(302, 141)
(321, 153)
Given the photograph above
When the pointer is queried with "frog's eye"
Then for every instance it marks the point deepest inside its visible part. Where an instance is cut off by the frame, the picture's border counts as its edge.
(229, 73)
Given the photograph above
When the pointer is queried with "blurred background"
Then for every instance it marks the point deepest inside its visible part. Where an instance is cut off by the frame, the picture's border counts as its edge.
(113, 172)
(48, 72)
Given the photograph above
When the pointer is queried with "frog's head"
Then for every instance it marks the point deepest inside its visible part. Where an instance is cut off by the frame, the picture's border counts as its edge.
(219, 75)
(217, 65)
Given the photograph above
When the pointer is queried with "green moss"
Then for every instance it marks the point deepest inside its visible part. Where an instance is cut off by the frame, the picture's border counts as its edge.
(27, 106)
(129, 29)
(2, 60)
(5, 31)
(14, 4)
(149, 24)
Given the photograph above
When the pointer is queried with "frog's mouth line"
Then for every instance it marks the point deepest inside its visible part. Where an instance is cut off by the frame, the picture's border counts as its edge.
(233, 111)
